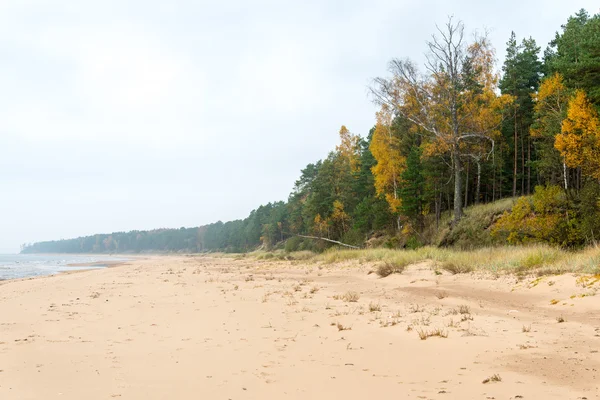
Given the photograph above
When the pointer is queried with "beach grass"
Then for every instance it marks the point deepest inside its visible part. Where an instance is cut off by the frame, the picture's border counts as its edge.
(536, 259)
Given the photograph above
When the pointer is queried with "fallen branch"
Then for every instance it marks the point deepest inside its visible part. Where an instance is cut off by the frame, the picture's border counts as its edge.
(329, 240)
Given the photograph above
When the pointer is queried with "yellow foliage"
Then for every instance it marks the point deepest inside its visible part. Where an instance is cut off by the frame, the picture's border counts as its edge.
(390, 163)
(550, 88)
(349, 148)
(465, 121)
(549, 106)
(394, 202)
(542, 217)
(321, 225)
(579, 140)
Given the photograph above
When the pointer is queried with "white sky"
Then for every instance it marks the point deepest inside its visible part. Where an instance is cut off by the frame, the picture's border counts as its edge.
(130, 114)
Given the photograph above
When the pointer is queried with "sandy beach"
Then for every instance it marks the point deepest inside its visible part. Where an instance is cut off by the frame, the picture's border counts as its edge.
(222, 328)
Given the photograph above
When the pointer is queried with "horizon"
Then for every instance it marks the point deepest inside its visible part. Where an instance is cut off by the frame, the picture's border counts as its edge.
(127, 116)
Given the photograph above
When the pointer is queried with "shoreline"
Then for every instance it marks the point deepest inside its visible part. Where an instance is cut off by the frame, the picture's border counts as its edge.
(74, 267)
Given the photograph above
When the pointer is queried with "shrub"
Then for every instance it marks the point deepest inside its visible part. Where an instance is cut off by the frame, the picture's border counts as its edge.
(472, 231)
(292, 244)
(388, 268)
(413, 242)
(544, 217)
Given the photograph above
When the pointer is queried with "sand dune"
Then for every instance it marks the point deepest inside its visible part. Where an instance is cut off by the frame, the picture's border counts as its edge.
(210, 328)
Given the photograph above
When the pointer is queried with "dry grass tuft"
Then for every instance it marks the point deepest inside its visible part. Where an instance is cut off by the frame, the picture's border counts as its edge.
(526, 328)
(525, 346)
(415, 308)
(351, 297)
(457, 268)
(560, 319)
(441, 294)
(343, 328)
(464, 309)
(389, 267)
(374, 307)
(466, 317)
(493, 378)
(424, 334)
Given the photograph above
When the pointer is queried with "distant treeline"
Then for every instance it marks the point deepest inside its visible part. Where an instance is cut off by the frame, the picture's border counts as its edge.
(447, 135)
(233, 236)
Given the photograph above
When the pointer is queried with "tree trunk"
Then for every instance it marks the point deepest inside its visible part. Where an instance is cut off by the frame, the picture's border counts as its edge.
(516, 151)
(466, 203)
(458, 208)
(328, 240)
(478, 188)
(494, 177)
(528, 165)
(565, 175)
(438, 210)
(522, 164)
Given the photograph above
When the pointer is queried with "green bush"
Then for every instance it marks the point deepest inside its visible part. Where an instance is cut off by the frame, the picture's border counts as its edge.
(545, 217)
(353, 237)
(413, 242)
(293, 244)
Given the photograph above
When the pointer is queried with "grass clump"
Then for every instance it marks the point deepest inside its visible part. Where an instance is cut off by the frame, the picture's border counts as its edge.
(351, 297)
(374, 307)
(464, 309)
(441, 294)
(456, 268)
(493, 378)
(343, 328)
(424, 334)
(388, 268)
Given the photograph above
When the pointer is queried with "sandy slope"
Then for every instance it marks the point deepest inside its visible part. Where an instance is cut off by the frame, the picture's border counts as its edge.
(200, 328)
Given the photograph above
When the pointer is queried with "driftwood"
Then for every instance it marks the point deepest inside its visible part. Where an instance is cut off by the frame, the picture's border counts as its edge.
(329, 240)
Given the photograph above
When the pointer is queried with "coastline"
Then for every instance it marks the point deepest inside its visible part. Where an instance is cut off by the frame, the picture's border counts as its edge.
(201, 327)
(78, 267)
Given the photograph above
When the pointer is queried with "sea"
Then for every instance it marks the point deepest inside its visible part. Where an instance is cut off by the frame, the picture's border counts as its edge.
(14, 266)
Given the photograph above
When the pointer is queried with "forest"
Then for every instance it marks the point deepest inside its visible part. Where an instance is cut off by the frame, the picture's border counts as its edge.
(460, 155)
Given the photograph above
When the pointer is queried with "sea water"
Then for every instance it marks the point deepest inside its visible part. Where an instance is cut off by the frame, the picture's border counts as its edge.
(13, 266)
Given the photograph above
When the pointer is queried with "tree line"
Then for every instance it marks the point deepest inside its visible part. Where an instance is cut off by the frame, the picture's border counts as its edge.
(448, 134)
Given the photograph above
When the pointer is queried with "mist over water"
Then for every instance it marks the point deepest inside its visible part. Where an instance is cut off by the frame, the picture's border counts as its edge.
(13, 266)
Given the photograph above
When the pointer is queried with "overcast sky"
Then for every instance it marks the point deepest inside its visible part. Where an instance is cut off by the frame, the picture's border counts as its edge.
(140, 114)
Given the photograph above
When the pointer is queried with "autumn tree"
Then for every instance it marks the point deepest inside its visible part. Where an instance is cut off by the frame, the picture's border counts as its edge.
(390, 162)
(579, 140)
(349, 149)
(340, 220)
(453, 102)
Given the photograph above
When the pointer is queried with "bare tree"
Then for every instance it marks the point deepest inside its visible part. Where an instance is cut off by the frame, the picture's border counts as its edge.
(454, 102)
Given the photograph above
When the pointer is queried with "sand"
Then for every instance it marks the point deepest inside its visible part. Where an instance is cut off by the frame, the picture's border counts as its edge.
(216, 328)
